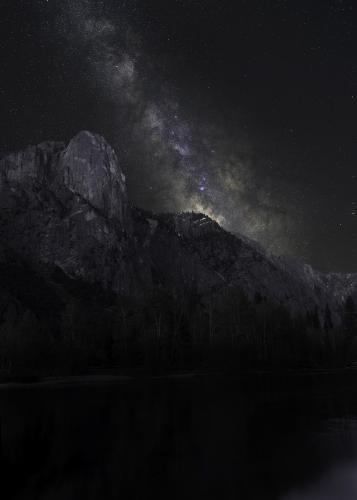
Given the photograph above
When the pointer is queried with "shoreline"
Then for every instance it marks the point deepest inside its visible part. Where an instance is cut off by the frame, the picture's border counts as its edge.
(113, 379)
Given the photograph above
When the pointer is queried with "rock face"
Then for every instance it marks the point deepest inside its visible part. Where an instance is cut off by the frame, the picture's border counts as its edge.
(66, 207)
(35, 165)
(91, 170)
(194, 250)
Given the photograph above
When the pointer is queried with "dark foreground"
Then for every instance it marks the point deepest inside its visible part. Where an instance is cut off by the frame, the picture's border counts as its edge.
(266, 437)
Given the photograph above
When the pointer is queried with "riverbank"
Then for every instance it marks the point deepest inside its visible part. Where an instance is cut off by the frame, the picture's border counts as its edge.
(103, 377)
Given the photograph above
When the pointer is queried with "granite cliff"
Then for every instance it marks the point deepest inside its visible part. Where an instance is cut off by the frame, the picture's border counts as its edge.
(66, 224)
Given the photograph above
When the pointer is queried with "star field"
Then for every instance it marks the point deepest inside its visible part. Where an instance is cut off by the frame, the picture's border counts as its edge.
(243, 110)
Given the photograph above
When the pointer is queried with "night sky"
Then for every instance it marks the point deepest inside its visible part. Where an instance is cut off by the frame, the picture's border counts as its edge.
(244, 110)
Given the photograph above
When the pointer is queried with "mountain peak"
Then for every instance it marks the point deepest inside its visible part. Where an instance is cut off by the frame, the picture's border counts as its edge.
(91, 169)
(67, 205)
(88, 167)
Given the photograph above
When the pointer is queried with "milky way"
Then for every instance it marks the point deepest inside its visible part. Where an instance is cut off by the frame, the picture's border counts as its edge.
(173, 163)
(244, 110)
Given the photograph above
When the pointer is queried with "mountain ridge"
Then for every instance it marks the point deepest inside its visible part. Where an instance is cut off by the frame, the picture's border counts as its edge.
(85, 180)
(66, 220)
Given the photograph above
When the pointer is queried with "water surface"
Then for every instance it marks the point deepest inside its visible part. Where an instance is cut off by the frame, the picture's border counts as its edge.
(288, 438)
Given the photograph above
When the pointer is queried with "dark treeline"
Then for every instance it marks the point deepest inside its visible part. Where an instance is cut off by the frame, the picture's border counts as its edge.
(70, 327)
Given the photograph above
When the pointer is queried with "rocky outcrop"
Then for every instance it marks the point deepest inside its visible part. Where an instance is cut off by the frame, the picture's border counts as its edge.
(91, 170)
(193, 250)
(66, 207)
(36, 165)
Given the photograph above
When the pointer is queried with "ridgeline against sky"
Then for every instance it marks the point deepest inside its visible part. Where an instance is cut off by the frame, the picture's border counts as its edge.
(243, 110)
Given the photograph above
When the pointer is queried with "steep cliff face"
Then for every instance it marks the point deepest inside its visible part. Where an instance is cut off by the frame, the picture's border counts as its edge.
(66, 207)
(192, 249)
(91, 170)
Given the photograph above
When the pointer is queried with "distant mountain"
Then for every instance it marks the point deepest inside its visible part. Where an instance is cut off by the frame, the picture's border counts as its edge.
(69, 236)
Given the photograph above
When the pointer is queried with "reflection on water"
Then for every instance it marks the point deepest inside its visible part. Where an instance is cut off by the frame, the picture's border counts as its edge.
(339, 483)
(202, 437)
(338, 437)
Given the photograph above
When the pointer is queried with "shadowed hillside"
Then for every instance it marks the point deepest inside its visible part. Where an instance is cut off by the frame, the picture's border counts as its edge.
(88, 280)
